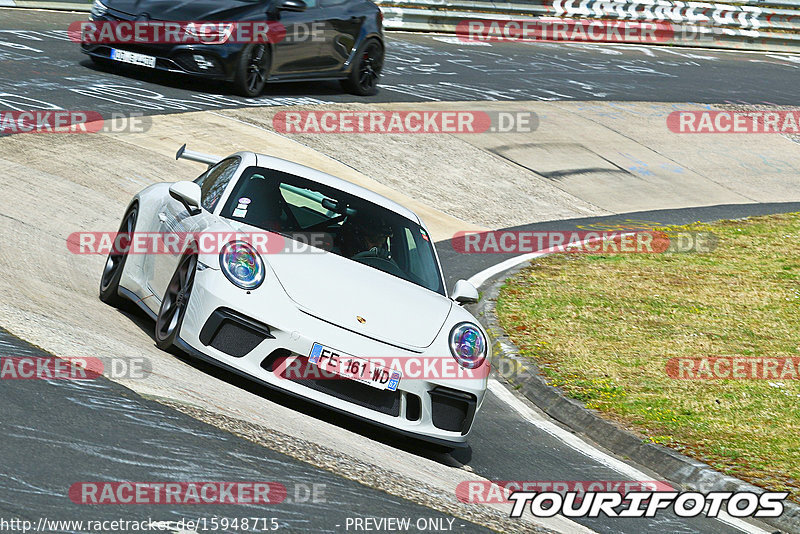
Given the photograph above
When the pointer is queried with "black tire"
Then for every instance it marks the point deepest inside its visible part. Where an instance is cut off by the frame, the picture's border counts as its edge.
(175, 301)
(367, 67)
(252, 70)
(115, 262)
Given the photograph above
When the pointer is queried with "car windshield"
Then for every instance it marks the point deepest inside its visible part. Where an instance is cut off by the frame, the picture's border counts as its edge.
(351, 226)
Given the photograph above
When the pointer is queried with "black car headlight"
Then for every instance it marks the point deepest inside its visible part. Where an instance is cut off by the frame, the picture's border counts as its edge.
(468, 345)
(98, 9)
(242, 265)
(210, 33)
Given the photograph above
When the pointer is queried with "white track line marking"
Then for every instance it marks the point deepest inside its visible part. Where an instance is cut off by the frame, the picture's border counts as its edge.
(480, 278)
(539, 421)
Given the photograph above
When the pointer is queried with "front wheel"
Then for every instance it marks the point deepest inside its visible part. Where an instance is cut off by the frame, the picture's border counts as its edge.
(175, 302)
(115, 263)
(367, 67)
(252, 70)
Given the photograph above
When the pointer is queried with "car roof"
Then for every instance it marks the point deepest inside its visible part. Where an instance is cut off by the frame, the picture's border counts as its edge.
(271, 162)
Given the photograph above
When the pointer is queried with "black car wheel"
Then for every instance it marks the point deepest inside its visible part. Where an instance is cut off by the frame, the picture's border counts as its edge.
(115, 262)
(175, 302)
(367, 66)
(252, 70)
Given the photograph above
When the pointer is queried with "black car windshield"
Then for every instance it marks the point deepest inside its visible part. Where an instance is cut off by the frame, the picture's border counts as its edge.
(355, 228)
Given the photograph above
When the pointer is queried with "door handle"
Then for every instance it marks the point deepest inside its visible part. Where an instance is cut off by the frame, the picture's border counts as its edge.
(162, 217)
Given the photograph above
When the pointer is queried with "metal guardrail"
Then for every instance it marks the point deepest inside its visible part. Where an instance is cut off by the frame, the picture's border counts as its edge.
(746, 24)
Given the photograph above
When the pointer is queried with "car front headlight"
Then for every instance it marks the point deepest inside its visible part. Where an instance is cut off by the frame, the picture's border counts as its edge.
(98, 9)
(468, 345)
(210, 33)
(242, 265)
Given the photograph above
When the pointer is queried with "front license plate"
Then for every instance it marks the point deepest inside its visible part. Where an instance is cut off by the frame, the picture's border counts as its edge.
(133, 58)
(355, 368)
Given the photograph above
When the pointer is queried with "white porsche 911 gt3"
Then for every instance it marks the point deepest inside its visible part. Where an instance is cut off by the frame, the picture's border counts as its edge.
(358, 321)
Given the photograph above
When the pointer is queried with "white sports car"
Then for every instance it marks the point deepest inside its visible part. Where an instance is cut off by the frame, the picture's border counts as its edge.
(358, 321)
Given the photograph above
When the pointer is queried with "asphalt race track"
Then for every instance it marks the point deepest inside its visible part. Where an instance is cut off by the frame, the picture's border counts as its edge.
(92, 428)
(100, 430)
(42, 64)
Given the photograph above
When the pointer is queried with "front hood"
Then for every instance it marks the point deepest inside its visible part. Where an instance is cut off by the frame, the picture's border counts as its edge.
(182, 10)
(339, 290)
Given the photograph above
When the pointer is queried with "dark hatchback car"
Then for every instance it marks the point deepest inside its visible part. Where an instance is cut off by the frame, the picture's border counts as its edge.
(325, 40)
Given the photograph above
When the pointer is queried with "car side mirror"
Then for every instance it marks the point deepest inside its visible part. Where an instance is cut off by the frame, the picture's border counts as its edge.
(292, 5)
(464, 293)
(188, 194)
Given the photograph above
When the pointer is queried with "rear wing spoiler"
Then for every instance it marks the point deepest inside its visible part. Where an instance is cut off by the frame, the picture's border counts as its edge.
(197, 156)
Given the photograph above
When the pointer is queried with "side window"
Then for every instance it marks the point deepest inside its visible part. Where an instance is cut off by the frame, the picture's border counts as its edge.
(332, 3)
(214, 181)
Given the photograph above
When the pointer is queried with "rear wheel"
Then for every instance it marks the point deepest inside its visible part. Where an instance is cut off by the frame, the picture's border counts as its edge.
(115, 262)
(175, 302)
(252, 70)
(367, 67)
